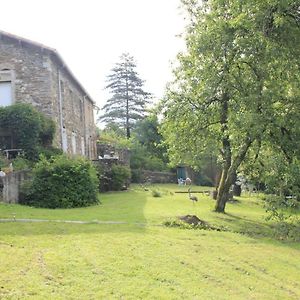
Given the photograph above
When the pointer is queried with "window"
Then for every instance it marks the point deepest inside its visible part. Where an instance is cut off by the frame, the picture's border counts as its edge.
(5, 93)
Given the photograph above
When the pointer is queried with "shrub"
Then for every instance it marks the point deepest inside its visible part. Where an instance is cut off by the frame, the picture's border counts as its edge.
(50, 151)
(203, 180)
(62, 183)
(120, 176)
(141, 159)
(136, 175)
(30, 129)
(113, 177)
(104, 178)
(3, 161)
(285, 212)
(21, 163)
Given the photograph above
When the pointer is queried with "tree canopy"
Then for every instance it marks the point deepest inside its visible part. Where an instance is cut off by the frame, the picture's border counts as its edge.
(129, 100)
(237, 86)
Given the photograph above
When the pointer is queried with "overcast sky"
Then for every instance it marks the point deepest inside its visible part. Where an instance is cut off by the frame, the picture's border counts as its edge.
(91, 35)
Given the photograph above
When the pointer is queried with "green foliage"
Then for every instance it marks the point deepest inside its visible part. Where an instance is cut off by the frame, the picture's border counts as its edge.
(3, 161)
(146, 133)
(50, 151)
(107, 136)
(283, 210)
(129, 100)
(104, 178)
(136, 175)
(202, 179)
(288, 230)
(140, 158)
(120, 176)
(21, 163)
(114, 178)
(237, 84)
(29, 128)
(47, 131)
(62, 182)
(279, 207)
(112, 130)
(146, 150)
(277, 173)
(24, 192)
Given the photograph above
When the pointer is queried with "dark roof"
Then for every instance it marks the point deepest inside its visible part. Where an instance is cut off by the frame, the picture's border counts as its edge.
(51, 51)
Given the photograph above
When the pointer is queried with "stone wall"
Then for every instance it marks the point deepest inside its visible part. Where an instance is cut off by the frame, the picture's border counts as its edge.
(155, 177)
(104, 167)
(39, 77)
(11, 186)
(29, 74)
(75, 112)
(108, 151)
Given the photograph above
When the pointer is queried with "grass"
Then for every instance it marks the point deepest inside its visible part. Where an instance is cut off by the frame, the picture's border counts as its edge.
(129, 261)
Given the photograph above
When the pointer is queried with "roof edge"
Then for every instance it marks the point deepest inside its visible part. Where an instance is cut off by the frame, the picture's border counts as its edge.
(55, 53)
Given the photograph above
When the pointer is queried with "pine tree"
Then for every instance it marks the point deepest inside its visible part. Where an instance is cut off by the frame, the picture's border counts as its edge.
(128, 102)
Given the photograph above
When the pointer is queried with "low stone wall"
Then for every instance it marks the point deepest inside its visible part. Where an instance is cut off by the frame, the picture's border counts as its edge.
(11, 186)
(156, 177)
(110, 152)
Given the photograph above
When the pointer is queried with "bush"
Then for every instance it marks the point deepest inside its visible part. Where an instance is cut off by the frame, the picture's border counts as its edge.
(113, 178)
(104, 178)
(30, 128)
(3, 161)
(21, 163)
(202, 180)
(62, 183)
(140, 158)
(50, 151)
(136, 175)
(120, 176)
(285, 212)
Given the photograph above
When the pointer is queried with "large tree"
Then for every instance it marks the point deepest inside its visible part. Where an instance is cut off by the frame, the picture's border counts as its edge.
(147, 134)
(128, 101)
(237, 85)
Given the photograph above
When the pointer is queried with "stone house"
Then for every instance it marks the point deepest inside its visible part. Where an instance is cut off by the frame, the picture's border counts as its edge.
(36, 74)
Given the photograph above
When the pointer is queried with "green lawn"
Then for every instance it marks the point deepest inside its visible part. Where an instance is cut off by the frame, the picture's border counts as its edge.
(140, 260)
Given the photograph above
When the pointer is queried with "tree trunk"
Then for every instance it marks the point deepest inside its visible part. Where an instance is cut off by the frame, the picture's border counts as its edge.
(223, 190)
(228, 176)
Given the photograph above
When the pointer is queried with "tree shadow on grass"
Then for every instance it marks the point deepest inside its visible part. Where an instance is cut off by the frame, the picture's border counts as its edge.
(254, 229)
(248, 227)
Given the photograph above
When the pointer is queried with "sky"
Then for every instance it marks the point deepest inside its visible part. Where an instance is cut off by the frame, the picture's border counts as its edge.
(91, 35)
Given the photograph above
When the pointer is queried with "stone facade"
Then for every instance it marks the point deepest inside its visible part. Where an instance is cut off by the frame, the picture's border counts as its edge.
(38, 75)
(110, 152)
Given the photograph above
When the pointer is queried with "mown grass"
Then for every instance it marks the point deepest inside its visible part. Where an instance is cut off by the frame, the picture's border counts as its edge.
(144, 261)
